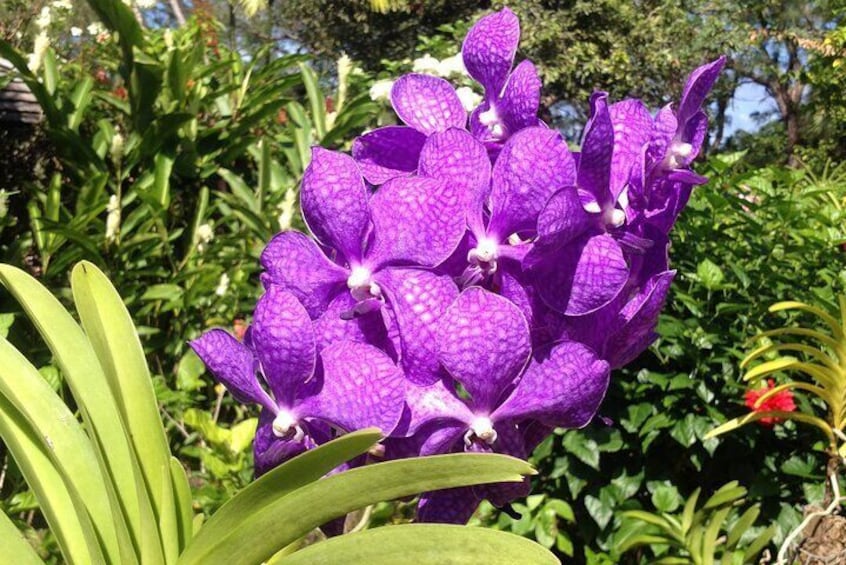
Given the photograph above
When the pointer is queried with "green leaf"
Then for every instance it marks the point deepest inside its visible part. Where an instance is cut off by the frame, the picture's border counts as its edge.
(742, 525)
(315, 99)
(689, 510)
(586, 450)
(423, 544)
(6, 321)
(726, 494)
(15, 547)
(161, 185)
(189, 371)
(118, 17)
(666, 498)
(288, 516)
(710, 275)
(759, 543)
(184, 503)
(709, 540)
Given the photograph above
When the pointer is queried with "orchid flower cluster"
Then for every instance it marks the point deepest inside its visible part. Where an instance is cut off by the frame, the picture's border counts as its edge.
(469, 282)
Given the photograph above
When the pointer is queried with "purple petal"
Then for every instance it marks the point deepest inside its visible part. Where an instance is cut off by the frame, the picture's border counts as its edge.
(361, 387)
(432, 403)
(456, 157)
(367, 328)
(597, 148)
(489, 49)
(388, 152)
(534, 163)
(450, 506)
(695, 133)
(483, 344)
(563, 386)
(665, 126)
(428, 104)
(698, 85)
(293, 261)
(641, 315)
(632, 131)
(416, 220)
(233, 365)
(334, 202)
(521, 98)
(582, 276)
(563, 219)
(283, 338)
(270, 450)
(509, 441)
(418, 299)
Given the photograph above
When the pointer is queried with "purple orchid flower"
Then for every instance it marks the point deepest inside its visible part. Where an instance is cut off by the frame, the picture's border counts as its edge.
(512, 98)
(371, 252)
(349, 386)
(485, 347)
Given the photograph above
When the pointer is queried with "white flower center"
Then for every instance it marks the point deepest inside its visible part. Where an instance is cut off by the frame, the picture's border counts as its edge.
(491, 120)
(614, 217)
(285, 426)
(484, 255)
(361, 285)
(677, 153)
(482, 428)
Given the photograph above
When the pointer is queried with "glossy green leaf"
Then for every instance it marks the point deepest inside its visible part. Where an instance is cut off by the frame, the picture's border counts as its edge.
(709, 540)
(689, 510)
(289, 516)
(15, 547)
(759, 543)
(423, 544)
(726, 494)
(746, 520)
(184, 503)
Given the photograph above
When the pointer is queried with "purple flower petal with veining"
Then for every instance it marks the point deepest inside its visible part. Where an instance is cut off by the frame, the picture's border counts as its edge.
(489, 49)
(434, 402)
(449, 506)
(418, 299)
(334, 202)
(415, 220)
(520, 101)
(699, 83)
(562, 220)
(597, 149)
(283, 338)
(233, 365)
(428, 104)
(293, 261)
(633, 126)
(367, 328)
(388, 152)
(533, 164)
(484, 344)
(360, 387)
(563, 386)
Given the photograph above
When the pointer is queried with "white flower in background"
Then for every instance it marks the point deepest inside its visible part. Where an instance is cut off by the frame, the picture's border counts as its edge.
(205, 234)
(381, 90)
(469, 98)
(42, 43)
(452, 66)
(146, 4)
(113, 218)
(168, 38)
(95, 28)
(44, 18)
(286, 209)
(116, 148)
(62, 5)
(76, 31)
(222, 285)
(426, 64)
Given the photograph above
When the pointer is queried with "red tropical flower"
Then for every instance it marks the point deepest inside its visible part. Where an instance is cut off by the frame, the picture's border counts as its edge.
(782, 401)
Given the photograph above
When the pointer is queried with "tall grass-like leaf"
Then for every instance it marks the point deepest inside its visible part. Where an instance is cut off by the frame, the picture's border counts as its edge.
(15, 548)
(315, 99)
(184, 505)
(289, 516)
(423, 544)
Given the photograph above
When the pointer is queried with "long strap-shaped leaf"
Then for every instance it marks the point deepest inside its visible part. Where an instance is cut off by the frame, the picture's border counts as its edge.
(424, 544)
(260, 534)
(90, 388)
(62, 438)
(63, 511)
(299, 471)
(13, 547)
(112, 335)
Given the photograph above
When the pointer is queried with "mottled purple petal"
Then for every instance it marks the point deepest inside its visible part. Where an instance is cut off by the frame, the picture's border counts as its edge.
(428, 104)
(334, 202)
(293, 261)
(695, 133)
(456, 157)
(597, 149)
(361, 387)
(665, 126)
(234, 365)
(484, 344)
(520, 101)
(534, 164)
(270, 450)
(418, 299)
(416, 220)
(563, 219)
(434, 403)
(563, 386)
(509, 441)
(632, 132)
(284, 341)
(367, 328)
(388, 152)
(698, 85)
(449, 506)
(489, 49)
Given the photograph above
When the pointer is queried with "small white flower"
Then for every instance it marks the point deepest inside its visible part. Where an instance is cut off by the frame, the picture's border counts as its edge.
(76, 31)
(222, 285)
(452, 66)
(116, 149)
(205, 234)
(113, 218)
(381, 90)
(286, 209)
(42, 43)
(426, 64)
(168, 38)
(44, 18)
(469, 99)
(146, 4)
(95, 28)
(62, 5)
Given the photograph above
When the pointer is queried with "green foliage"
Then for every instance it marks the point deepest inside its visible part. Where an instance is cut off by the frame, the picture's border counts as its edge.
(112, 493)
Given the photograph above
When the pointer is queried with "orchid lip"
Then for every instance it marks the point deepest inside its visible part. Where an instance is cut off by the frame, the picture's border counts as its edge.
(285, 426)
(677, 153)
(484, 255)
(482, 428)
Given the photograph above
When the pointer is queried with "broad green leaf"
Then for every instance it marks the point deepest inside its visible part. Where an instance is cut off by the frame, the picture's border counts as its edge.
(116, 343)
(666, 498)
(184, 503)
(423, 544)
(287, 517)
(710, 275)
(64, 512)
(15, 547)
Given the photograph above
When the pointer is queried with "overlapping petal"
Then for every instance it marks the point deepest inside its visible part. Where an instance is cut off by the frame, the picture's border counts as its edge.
(633, 130)
(489, 49)
(388, 152)
(597, 150)
(428, 104)
(520, 100)
(370, 328)
(698, 84)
